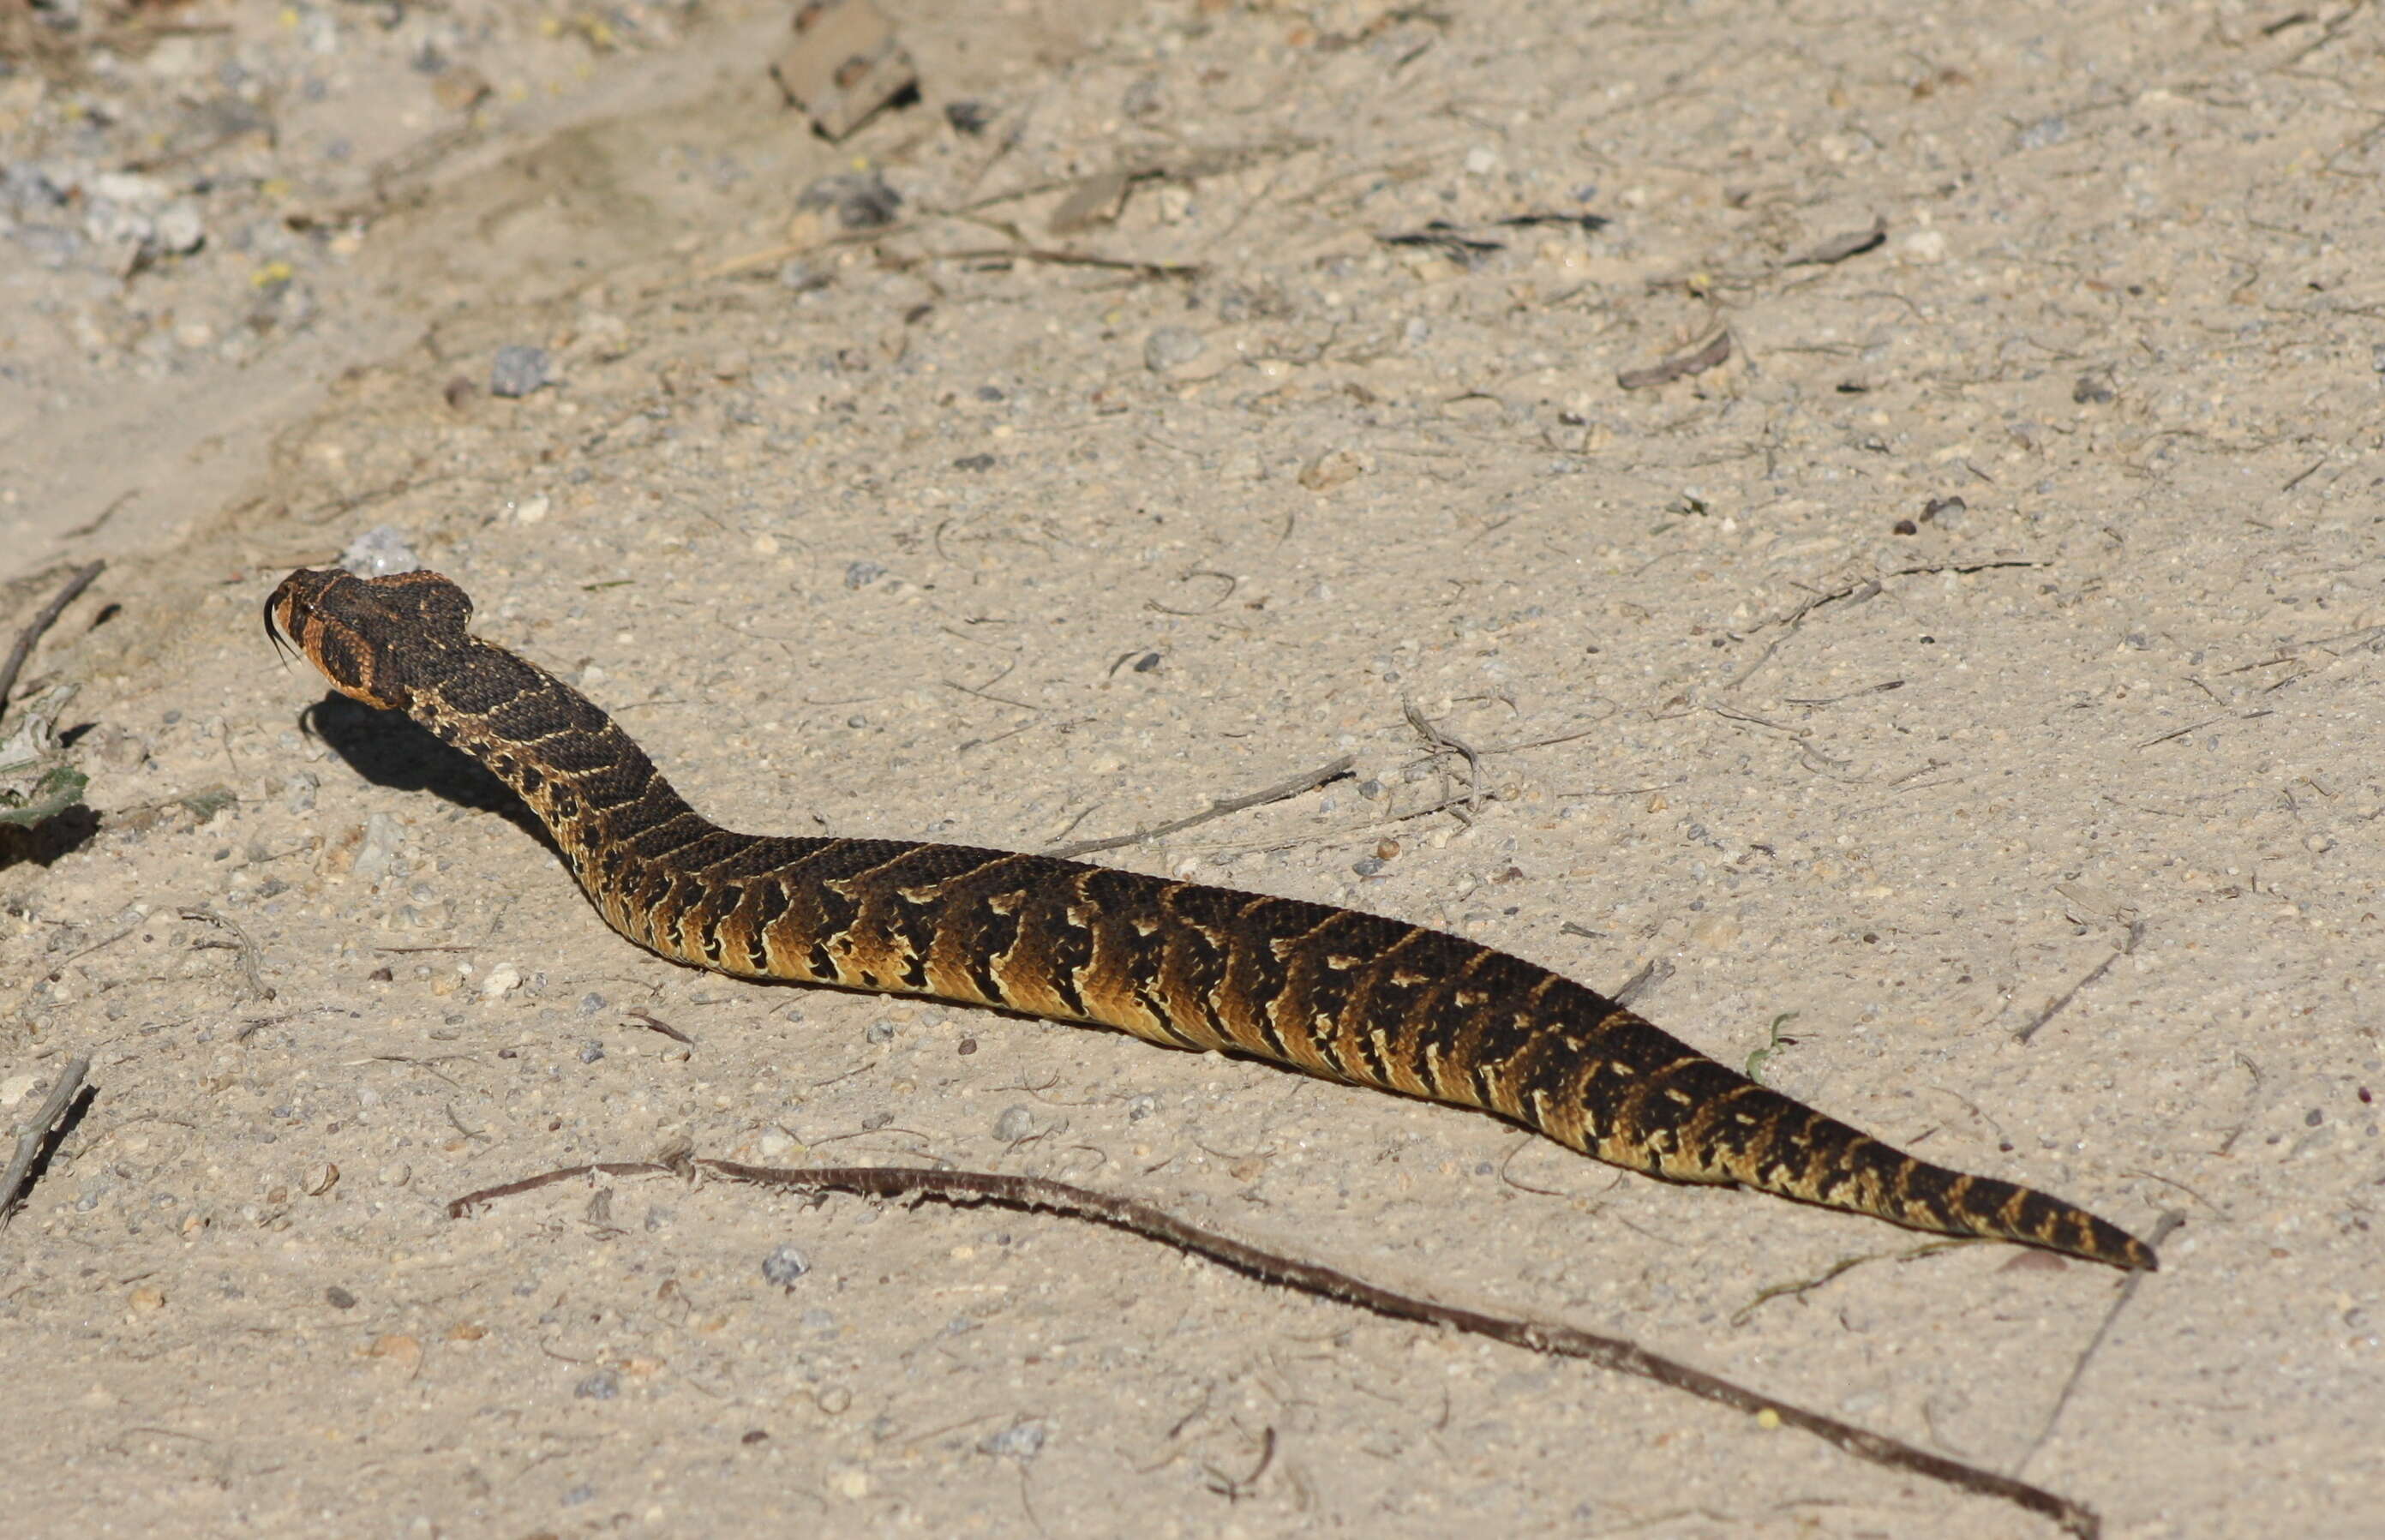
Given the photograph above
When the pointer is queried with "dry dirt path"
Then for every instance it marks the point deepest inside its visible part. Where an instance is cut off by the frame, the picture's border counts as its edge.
(1999, 614)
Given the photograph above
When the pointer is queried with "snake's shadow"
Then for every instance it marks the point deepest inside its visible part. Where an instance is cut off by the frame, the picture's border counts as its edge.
(389, 748)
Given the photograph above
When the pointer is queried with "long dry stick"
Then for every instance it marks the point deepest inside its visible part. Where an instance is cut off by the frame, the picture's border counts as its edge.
(963, 1188)
(2054, 1008)
(42, 622)
(2163, 1228)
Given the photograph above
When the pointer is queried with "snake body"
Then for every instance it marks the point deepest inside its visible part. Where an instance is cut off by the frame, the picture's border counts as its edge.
(1333, 992)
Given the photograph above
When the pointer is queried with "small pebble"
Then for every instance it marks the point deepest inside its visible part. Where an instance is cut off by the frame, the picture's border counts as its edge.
(589, 1003)
(378, 552)
(603, 1386)
(1016, 1123)
(861, 574)
(1023, 1440)
(879, 1032)
(178, 229)
(784, 1265)
(1334, 468)
(862, 200)
(501, 981)
(2045, 131)
(339, 1299)
(1169, 348)
(590, 1053)
(518, 370)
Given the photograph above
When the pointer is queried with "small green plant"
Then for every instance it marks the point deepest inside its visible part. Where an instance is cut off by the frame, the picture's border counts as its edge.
(1779, 1041)
(37, 783)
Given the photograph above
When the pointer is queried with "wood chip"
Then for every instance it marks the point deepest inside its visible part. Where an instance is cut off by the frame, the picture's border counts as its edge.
(1679, 367)
(845, 64)
(1838, 248)
(1097, 200)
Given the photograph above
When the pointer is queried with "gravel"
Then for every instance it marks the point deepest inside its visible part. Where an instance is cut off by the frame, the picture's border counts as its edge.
(519, 371)
(784, 1265)
(378, 552)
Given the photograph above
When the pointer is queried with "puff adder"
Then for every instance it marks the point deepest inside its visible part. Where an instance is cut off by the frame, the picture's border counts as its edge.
(1345, 996)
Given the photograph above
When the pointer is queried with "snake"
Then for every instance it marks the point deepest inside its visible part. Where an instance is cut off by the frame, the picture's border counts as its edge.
(1333, 992)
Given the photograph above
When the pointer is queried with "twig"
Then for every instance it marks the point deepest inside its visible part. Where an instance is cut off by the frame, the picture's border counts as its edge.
(1234, 1489)
(982, 692)
(246, 948)
(2308, 472)
(1062, 258)
(42, 622)
(1706, 355)
(2197, 727)
(1029, 1194)
(2163, 1228)
(36, 1133)
(1652, 972)
(2136, 933)
(1333, 771)
(648, 1019)
(1441, 741)
(1863, 589)
(1838, 248)
(1845, 1264)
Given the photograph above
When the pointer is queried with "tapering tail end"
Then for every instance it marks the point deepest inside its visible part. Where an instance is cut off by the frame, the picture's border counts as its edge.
(1696, 1121)
(1846, 1168)
(1983, 1206)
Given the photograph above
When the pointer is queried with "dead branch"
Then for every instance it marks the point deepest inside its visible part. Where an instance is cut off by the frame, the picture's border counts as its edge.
(1029, 1194)
(36, 1133)
(42, 622)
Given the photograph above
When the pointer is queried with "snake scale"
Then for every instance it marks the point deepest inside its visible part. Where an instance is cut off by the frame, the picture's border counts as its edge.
(1338, 994)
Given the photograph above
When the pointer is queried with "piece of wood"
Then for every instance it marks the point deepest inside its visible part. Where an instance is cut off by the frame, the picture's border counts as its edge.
(844, 64)
(36, 1133)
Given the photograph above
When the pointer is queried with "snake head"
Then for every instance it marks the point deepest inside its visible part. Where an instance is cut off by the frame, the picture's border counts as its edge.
(369, 637)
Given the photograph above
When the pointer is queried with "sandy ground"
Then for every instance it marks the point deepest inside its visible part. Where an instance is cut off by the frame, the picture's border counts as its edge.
(2003, 614)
